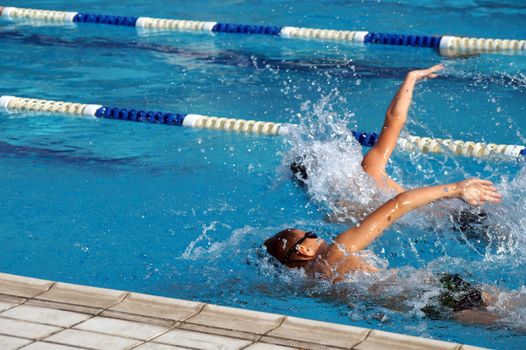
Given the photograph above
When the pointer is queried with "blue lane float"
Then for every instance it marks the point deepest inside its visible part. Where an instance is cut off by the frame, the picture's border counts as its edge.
(408, 143)
(104, 19)
(245, 29)
(403, 40)
(140, 116)
(444, 44)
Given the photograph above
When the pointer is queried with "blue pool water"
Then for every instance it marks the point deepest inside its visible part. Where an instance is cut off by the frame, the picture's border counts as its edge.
(182, 213)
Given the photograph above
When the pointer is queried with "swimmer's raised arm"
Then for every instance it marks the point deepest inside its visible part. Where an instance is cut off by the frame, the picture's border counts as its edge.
(375, 160)
(472, 191)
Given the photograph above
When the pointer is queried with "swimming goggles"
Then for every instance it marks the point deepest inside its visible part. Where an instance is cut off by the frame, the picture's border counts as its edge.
(308, 234)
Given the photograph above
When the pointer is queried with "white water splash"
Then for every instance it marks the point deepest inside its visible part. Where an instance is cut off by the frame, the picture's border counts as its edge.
(326, 147)
(204, 247)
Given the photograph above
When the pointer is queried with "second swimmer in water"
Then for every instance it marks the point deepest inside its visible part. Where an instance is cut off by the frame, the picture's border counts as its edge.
(473, 222)
(375, 161)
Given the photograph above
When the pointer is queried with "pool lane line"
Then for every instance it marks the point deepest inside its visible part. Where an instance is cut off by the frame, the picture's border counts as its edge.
(344, 68)
(446, 45)
(409, 143)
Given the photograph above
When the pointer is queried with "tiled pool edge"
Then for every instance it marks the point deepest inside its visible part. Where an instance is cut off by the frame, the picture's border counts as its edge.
(167, 319)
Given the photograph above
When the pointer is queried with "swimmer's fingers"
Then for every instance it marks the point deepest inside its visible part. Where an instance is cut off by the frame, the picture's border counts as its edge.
(436, 67)
(486, 193)
(489, 192)
(477, 192)
(489, 187)
(431, 72)
(427, 73)
(485, 182)
(492, 196)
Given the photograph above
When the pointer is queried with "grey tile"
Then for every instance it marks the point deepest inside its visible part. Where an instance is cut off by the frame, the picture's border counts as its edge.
(12, 343)
(160, 307)
(192, 327)
(45, 315)
(141, 316)
(63, 306)
(329, 334)
(162, 322)
(91, 340)
(471, 347)
(157, 346)
(82, 295)
(121, 328)
(264, 346)
(22, 286)
(5, 305)
(11, 299)
(25, 329)
(200, 340)
(379, 340)
(295, 344)
(236, 319)
(48, 346)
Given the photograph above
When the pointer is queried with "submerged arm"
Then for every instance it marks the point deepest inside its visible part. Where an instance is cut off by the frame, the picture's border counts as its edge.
(473, 191)
(376, 159)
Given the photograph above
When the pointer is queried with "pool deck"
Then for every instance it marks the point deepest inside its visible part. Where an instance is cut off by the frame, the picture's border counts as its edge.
(44, 315)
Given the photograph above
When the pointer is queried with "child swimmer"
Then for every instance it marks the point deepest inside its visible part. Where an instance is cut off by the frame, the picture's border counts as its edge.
(471, 221)
(296, 248)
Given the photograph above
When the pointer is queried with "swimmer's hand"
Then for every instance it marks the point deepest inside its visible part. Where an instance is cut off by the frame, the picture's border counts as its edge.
(477, 192)
(426, 73)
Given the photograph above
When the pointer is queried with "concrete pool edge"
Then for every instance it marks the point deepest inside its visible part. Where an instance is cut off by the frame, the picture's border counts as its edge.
(35, 311)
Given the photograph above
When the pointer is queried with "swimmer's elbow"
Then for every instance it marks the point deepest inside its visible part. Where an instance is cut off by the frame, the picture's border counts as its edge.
(371, 165)
(394, 118)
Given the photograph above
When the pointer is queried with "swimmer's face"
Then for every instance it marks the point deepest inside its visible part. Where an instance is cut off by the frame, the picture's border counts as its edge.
(293, 247)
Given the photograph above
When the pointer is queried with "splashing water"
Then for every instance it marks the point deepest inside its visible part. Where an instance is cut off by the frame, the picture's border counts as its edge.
(510, 239)
(195, 251)
(336, 182)
(325, 146)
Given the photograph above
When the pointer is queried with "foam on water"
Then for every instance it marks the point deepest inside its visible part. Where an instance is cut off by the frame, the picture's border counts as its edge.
(332, 158)
(324, 144)
(183, 213)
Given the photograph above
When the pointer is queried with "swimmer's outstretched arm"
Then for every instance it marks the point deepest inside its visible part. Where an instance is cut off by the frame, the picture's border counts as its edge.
(472, 191)
(375, 160)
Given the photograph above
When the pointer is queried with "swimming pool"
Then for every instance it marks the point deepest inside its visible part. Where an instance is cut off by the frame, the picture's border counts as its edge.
(182, 213)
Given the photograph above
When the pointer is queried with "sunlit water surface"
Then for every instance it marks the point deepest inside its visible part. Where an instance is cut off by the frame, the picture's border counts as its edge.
(183, 213)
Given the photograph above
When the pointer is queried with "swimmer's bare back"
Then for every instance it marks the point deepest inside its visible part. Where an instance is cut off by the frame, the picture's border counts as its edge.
(376, 159)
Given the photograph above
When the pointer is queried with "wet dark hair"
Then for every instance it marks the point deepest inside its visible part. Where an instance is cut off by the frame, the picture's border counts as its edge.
(298, 169)
(280, 243)
(458, 295)
(474, 225)
(470, 220)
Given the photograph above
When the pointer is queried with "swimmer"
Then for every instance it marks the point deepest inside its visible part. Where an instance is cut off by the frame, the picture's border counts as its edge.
(375, 161)
(470, 222)
(297, 248)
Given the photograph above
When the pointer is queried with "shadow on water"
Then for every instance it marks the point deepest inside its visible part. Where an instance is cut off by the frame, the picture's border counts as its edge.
(345, 68)
(70, 156)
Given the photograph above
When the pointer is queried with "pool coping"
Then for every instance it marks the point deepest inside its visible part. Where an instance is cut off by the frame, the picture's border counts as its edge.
(37, 314)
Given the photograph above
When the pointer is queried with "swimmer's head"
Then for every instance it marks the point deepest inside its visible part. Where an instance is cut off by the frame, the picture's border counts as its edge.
(298, 169)
(293, 247)
(457, 295)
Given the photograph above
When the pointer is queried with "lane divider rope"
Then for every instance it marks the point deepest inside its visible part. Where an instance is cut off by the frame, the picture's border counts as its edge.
(409, 143)
(444, 44)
